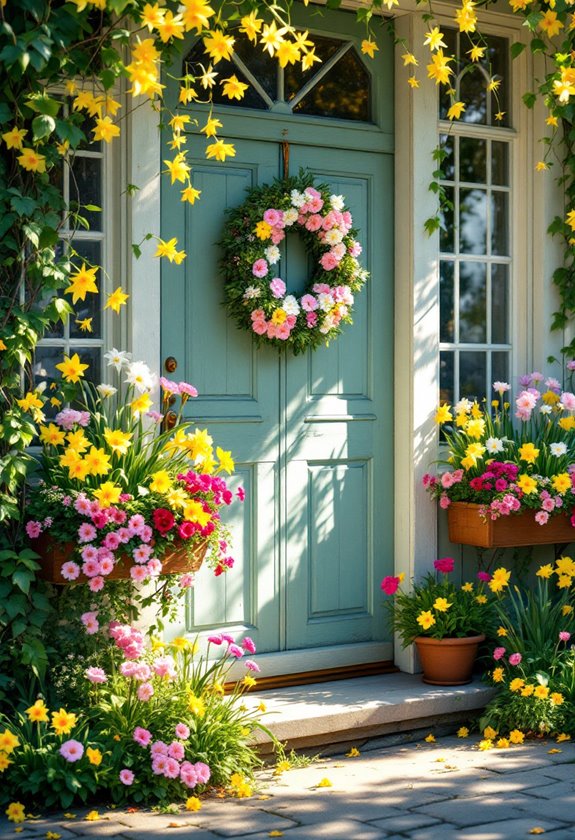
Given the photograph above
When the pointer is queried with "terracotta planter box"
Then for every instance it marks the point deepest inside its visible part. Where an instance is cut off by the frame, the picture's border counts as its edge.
(467, 527)
(177, 559)
(448, 661)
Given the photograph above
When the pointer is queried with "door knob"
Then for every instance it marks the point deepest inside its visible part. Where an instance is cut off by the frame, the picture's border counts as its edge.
(171, 363)
(170, 420)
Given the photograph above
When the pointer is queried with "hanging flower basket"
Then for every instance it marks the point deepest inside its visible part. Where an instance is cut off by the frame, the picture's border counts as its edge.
(467, 527)
(178, 559)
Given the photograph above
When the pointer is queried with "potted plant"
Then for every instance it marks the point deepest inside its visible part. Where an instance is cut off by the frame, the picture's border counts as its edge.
(118, 496)
(507, 478)
(446, 622)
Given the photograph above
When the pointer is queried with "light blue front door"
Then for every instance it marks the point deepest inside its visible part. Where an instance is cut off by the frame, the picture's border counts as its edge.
(312, 436)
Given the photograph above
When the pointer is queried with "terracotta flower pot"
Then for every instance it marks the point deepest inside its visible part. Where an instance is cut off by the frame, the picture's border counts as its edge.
(467, 527)
(448, 661)
(176, 559)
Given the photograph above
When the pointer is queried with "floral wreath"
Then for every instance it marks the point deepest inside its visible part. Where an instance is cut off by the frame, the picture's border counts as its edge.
(256, 297)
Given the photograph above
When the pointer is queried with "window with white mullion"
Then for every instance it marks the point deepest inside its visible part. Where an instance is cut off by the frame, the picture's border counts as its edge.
(81, 181)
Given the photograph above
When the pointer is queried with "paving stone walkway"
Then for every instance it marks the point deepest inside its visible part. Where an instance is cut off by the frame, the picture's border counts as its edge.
(424, 791)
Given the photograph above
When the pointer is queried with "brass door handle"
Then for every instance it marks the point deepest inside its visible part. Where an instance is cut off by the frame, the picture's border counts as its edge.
(170, 364)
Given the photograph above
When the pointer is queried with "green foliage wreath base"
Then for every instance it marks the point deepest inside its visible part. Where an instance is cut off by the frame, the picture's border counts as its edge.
(247, 294)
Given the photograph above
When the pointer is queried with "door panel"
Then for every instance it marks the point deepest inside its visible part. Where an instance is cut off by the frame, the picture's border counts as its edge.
(311, 435)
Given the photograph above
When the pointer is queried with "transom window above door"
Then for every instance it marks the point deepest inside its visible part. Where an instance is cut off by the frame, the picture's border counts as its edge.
(338, 87)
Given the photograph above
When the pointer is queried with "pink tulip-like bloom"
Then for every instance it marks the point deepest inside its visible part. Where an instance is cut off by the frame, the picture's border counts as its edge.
(252, 666)
(515, 659)
(564, 636)
(72, 750)
(248, 644)
(235, 650)
(499, 653)
(142, 736)
(444, 564)
(390, 585)
(95, 675)
(126, 777)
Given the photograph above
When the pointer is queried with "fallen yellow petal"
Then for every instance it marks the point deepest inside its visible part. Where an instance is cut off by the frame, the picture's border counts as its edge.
(324, 783)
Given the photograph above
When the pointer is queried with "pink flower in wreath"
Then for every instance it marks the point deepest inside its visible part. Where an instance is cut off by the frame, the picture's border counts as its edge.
(278, 287)
(273, 217)
(90, 622)
(258, 315)
(106, 565)
(291, 321)
(186, 581)
(154, 567)
(272, 330)
(277, 236)
(309, 303)
(283, 331)
(260, 327)
(355, 249)
(260, 268)
(313, 223)
(328, 261)
(311, 319)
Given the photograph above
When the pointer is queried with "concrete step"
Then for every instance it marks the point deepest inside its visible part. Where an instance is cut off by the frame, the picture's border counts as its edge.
(353, 710)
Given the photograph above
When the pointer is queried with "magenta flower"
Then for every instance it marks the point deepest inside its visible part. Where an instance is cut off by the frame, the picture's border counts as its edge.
(241, 493)
(72, 750)
(248, 644)
(564, 636)
(236, 651)
(390, 584)
(444, 564)
(484, 576)
(499, 653)
(252, 666)
(515, 659)
(126, 777)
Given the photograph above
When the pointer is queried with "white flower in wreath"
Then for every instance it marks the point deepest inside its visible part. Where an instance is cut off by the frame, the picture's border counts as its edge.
(328, 324)
(338, 251)
(333, 237)
(337, 202)
(290, 305)
(272, 254)
(252, 292)
(325, 301)
(290, 216)
(297, 198)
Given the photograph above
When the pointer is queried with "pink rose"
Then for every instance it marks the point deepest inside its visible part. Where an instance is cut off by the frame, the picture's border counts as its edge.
(515, 659)
(328, 261)
(499, 653)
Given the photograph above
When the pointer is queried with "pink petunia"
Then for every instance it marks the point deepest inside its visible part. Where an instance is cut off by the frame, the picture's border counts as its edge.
(106, 565)
(498, 653)
(159, 763)
(203, 772)
(159, 748)
(541, 517)
(260, 327)
(33, 529)
(126, 777)
(90, 620)
(188, 774)
(72, 750)
(311, 319)
(515, 659)
(176, 750)
(89, 552)
(142, 736)
(182, 731)
(86, 532)
(70, 570)
(96, 584)
(187, 580)
(91, 568)
(273, 217)
(111, 541)
(139, 573)
(188, 390)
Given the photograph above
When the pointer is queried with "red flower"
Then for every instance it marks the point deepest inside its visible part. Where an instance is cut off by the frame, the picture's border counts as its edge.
(444, 564)
(163, 520)
(187, 529)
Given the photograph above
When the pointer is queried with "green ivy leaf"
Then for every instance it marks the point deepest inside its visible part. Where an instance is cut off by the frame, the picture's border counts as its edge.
(43, 126)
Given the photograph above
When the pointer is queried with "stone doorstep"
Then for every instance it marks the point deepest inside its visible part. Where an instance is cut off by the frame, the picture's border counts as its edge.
(349, 711)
